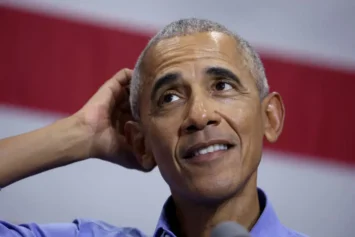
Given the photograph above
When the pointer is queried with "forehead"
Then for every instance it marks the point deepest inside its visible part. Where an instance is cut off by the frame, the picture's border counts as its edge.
(193, 51)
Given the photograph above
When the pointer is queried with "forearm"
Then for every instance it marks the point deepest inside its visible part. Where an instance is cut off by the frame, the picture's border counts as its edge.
(58, 144)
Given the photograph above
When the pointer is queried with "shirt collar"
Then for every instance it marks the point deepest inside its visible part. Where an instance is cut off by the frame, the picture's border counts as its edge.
(267, 225)
(163, 228)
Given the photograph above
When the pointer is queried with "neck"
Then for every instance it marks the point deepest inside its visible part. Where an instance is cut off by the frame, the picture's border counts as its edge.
(199, 220)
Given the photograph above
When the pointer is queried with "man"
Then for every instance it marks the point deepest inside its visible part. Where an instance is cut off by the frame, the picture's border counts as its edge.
(207, 109)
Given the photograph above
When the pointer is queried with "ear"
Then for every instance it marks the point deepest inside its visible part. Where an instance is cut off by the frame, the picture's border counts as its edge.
(135, 139)
(274, 115)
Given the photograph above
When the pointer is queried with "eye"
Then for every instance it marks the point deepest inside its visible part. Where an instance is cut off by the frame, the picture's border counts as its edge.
(221, 85)
(168, 98)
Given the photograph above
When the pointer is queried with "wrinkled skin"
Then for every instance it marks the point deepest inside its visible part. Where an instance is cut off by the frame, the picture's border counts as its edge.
(206, 94)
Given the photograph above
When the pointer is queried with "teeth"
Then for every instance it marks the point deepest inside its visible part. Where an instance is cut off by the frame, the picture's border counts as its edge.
(212, 148)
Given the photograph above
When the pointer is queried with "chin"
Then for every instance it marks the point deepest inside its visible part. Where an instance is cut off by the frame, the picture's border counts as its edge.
(215, 191)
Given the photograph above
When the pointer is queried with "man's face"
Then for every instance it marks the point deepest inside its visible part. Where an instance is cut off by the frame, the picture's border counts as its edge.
(201, 115)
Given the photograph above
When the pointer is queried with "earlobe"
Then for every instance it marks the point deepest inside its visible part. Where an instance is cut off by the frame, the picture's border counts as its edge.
(135, 139)
(148, 162)
(274, 116)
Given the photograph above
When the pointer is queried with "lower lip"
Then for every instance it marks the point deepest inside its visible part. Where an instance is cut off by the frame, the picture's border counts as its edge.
(208, 156)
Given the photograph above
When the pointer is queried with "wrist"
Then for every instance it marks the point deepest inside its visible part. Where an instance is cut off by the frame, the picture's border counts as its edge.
(75, 137)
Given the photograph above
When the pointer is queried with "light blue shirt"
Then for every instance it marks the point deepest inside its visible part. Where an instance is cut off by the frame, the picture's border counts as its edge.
(268, 225)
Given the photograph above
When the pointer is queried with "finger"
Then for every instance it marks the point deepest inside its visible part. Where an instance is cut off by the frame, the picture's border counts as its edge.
(111, 91)
(123, 76)
(125, 105)
(119, 81)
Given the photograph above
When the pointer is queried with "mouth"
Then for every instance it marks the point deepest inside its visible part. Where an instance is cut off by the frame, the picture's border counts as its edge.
(205, 149)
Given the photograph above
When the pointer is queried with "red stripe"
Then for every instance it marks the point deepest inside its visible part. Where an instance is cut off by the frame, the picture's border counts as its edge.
(56, 64)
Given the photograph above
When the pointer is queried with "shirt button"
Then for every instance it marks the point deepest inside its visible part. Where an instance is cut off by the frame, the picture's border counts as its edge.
(166, 235)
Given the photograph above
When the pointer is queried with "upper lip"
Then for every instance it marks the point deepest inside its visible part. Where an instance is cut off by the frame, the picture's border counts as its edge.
(190, 151)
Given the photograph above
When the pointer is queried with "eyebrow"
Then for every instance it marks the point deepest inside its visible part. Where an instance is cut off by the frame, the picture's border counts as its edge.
(223, 72)
(166, 79)
(172, 77)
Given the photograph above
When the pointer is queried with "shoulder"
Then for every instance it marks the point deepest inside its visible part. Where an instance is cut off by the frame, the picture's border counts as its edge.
(77, 228)
(291, 233)
(101, 228)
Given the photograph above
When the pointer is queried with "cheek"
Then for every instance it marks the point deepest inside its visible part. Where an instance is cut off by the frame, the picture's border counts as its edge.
(245, 120)
(249, 120)
(250, 127)
(163, 139)
(243, 116)
(251, 135)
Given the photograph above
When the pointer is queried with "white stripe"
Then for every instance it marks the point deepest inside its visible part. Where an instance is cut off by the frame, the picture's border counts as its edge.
(319, 31)
(311, 197)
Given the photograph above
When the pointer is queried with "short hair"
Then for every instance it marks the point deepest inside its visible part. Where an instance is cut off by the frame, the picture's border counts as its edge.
(192, 26)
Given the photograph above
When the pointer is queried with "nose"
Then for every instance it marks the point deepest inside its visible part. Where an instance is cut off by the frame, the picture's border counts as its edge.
(200, 114)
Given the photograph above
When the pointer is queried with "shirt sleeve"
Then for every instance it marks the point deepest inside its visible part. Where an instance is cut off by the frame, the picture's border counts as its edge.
(36, 230)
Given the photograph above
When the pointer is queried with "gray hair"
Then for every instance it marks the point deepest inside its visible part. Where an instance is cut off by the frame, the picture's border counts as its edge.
(191, 26)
